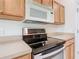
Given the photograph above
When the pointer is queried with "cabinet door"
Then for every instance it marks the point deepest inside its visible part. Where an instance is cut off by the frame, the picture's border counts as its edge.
(72, 51)
(14, 7)
(56, 8)
(24, 57)
(51, 3)
(62, 14)
(1, 5)
(69, 52)
(47, 2)
(38, 1)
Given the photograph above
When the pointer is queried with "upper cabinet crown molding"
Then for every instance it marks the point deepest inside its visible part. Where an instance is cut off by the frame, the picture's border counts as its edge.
(12, 9)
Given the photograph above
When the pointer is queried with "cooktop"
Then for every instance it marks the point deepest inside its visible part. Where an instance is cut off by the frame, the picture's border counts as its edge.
(50, 43)
(37, 39)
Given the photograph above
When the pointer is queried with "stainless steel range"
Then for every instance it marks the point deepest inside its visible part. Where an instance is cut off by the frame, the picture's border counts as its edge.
(43, 47)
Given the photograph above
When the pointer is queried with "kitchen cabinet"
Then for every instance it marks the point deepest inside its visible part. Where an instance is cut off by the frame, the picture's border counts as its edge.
(56, 8)
(38, 1)
(62, 14)
(24, 57)
(1, 4)
(58, 13)
(69, 50)
(47, 2)
(12, 9)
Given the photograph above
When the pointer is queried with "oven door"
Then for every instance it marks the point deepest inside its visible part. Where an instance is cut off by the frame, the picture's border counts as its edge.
(57, 54)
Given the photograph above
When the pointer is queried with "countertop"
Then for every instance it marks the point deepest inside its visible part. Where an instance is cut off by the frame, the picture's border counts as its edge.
(13, 46)
(61, 35)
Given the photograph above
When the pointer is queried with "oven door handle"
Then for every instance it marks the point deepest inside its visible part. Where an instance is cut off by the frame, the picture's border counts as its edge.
(52, 53)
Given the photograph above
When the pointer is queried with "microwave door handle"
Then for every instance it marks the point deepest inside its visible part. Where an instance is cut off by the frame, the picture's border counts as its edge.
(52, 53)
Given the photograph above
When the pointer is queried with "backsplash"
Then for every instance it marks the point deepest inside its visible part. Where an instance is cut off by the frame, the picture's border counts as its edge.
(8, 28)
(15, 27)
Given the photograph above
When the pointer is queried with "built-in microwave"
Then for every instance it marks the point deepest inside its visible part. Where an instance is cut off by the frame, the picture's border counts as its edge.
(36, 12)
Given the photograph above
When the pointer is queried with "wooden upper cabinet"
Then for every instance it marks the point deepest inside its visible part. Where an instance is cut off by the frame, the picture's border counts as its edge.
(38, 1)
(44, 2)
(51, 3)
(1, 5)
(62, 14)
(47, 2)
(14, 7)
(56, 9)
(59, 13)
